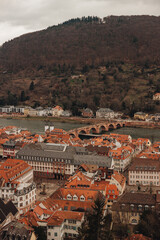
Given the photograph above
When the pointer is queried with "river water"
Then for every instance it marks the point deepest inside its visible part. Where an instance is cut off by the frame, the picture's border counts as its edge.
(38, 127)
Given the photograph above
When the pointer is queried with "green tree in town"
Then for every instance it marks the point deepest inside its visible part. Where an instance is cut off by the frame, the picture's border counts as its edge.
(41, 233)
(149, 225)
(96, 226)
(120, 231)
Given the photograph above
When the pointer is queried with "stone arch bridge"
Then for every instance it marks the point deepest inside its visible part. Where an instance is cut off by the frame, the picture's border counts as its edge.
(96, 128)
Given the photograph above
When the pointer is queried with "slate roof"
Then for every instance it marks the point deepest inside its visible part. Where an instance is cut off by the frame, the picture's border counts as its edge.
(39, 152)
(54, 151)
(133, 198)
(77, 155)
(17, 229)
(144, 164)
(6, 209)
(93, 160)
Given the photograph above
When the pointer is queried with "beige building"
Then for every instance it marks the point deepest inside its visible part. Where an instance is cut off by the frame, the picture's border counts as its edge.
(144, 171)
(26, 111)
(140, 116)
(64, 224)
(106, 113)
(32, 112)
(57, 111)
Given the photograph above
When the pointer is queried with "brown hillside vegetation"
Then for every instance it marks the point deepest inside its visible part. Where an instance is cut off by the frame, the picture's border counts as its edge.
(115, 61)
(133, 38)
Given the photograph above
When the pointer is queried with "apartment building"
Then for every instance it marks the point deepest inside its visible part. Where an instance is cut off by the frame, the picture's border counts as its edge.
(24, 197)
(121, 157)
(59, 160)
(64, 224)
(16, 184)
(144, 171)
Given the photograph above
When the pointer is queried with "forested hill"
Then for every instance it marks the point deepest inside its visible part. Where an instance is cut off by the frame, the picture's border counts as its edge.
(88, 62)
(85, 41)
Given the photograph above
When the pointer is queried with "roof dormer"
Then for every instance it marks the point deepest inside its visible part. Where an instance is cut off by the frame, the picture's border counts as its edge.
(69, 197)
(75, 198)
(82, 198)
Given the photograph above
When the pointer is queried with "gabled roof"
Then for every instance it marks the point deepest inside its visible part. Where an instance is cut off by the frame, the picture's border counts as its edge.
(69, 215)
(119, 178)
(144, 164)
(11, 167)
(6, 209)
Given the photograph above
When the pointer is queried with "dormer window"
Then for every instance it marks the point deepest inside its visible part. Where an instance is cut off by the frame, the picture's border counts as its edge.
(123, 205)
(140, 207)
(146, 207)
(75, 198)
(82, 198)
(69, 197)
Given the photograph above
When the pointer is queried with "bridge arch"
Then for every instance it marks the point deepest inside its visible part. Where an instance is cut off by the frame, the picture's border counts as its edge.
(118, 125)
(82, 132)
(93, 130)
(103, 128)
(111, 127)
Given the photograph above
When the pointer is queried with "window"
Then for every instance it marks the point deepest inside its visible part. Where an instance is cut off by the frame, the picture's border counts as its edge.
(55, 234)
(146, 207)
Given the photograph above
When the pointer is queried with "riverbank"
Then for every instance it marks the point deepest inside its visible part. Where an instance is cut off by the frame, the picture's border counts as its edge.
(79, 120)
(83, 121)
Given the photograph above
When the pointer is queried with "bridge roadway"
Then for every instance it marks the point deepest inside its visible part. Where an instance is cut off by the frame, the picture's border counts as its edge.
(105, 126)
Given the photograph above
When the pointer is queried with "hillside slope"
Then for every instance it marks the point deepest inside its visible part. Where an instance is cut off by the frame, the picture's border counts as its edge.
(118, 59)
(133, 38)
